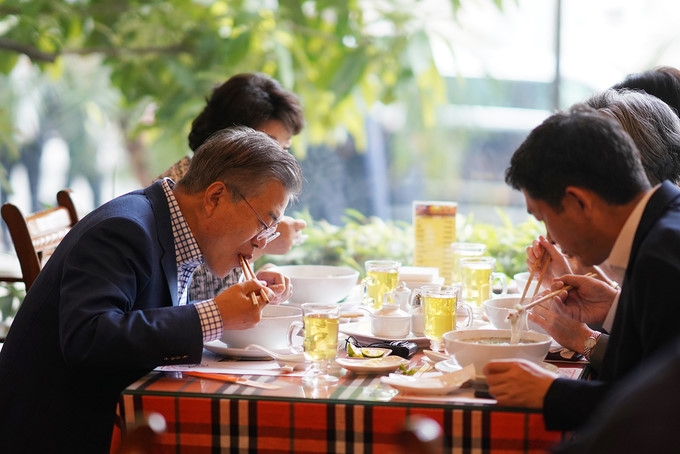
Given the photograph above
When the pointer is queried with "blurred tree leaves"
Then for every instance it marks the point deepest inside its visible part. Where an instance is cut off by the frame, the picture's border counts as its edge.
(339, 56)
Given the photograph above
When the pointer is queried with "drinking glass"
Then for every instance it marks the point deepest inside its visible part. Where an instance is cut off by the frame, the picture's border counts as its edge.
(464, 250)
(440, 305)
(381, 279)
(478, 279)
(320, 323)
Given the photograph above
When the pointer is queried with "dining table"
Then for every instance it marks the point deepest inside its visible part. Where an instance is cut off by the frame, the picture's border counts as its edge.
(361, 413)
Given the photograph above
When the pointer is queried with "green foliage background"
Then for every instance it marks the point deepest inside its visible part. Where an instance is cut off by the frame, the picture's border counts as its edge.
(363, 238)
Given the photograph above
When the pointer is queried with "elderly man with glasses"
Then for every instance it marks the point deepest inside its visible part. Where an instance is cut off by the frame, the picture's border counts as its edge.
(111, 303)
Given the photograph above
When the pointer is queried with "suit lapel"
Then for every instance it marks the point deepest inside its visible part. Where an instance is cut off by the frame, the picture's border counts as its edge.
(159, 204)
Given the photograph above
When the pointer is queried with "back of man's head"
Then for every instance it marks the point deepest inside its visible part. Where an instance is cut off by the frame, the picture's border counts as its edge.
(582, 148)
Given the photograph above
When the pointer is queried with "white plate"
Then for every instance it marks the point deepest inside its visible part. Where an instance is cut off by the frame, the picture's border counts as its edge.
(221, 348)
(362, 332)
(372, 366)
(431, 386)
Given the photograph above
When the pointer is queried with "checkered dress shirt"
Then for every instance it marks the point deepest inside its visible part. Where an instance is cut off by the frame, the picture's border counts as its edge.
(188, 256)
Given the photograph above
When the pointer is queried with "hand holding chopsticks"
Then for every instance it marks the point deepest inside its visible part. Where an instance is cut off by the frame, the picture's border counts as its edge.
(542, 265)
(550, 295)
(250, 274)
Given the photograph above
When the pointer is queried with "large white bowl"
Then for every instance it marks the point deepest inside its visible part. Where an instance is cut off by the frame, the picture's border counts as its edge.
(460, 345)
(319, 283)
(498, 308)
(270, 332)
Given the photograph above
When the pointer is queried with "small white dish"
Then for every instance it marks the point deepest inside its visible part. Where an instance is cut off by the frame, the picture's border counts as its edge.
(373, 365)
(430, 386)
(436, 356)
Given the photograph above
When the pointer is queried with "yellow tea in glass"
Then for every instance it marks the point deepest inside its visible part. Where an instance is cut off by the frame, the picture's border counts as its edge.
(440, 304)
(439, 316)
(321, 336)
(382, 277)
(477, 279)
(320, 323)
(464, 250)
(434, 225)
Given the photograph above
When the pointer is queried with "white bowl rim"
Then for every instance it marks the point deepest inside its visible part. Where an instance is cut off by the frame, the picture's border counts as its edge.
(288, 311)
(342, 271)
(500, 298)
(462, 335)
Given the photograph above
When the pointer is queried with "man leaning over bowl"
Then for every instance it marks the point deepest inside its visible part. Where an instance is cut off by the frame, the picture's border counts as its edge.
(110, 304)
(581, 175)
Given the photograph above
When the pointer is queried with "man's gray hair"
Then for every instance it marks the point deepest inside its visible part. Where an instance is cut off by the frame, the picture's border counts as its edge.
(245, 160)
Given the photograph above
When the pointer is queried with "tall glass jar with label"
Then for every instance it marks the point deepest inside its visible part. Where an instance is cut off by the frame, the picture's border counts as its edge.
(434, 226)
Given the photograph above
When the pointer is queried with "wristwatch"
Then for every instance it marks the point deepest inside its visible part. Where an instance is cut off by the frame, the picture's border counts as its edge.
(590, 344)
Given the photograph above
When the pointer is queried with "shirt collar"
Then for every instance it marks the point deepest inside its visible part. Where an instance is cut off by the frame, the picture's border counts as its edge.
(186, 248)
(620, 253)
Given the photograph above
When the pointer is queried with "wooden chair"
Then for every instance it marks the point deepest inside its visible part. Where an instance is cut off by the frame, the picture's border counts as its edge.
(37, 235)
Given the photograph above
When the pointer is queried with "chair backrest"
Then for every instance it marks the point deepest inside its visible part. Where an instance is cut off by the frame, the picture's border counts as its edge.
(37, 235)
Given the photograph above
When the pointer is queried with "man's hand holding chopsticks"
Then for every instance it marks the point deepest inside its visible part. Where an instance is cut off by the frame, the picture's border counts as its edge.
(277, 283)
(236, 306)
(588, 300)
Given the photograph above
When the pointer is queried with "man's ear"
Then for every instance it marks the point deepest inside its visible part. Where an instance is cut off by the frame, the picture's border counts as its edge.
(578, 198)
(214, 195)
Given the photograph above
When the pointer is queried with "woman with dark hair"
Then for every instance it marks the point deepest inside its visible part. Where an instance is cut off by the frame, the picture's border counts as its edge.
(259, 102)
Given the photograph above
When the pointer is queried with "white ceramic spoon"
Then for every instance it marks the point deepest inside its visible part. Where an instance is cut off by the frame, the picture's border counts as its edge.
(286, 361)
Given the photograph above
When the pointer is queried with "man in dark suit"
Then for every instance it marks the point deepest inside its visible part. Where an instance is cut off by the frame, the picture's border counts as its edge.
(110, 304)
(640, 413)
(581, 175)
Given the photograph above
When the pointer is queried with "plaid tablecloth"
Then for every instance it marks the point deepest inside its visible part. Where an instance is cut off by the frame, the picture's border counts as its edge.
(357, 416)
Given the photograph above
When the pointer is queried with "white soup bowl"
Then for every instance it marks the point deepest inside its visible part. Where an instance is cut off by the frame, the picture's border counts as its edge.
(464, 345)
(270, 332)
(319, 283)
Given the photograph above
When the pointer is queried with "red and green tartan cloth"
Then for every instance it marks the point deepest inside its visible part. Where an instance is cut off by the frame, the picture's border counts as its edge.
(204, 416)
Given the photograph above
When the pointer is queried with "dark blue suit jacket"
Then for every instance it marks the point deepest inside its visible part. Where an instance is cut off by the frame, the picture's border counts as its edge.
(647, 317)
(640, 413)
(102, 313)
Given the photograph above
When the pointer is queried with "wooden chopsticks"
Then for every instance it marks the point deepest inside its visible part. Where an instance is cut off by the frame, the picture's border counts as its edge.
(552, 294)
(543, 263)
(250, 274)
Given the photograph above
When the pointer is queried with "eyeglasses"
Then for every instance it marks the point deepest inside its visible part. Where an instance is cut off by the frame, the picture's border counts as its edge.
(269, 233)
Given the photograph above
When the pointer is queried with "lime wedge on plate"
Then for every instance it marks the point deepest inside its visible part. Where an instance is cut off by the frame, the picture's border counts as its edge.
(368, 352)
(353, 351)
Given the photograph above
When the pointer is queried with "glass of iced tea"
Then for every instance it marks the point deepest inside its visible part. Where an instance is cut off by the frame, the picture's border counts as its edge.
(320, 342)
(382, 277)
(478, 278)
(440, 307)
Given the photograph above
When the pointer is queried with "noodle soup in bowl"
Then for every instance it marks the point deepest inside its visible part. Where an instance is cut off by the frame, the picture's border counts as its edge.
(479, 346)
